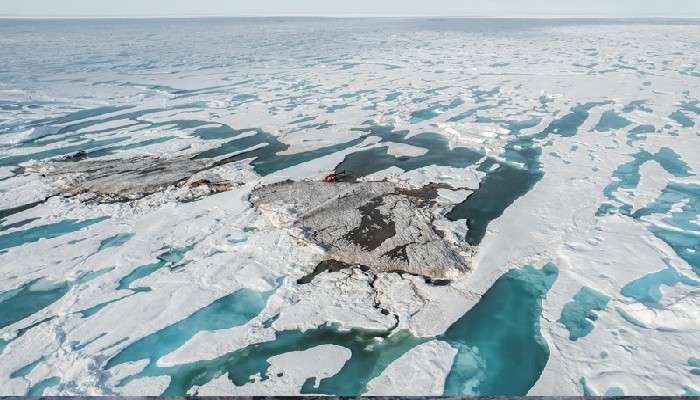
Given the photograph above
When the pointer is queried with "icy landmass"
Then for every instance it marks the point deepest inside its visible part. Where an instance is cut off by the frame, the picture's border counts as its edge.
(384, 227)
(560, 157)
(122, 180)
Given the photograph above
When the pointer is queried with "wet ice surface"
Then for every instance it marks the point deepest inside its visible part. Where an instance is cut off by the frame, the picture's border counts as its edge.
(135, 263)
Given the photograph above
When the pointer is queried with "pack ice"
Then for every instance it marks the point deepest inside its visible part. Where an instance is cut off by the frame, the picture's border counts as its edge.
(518, 212)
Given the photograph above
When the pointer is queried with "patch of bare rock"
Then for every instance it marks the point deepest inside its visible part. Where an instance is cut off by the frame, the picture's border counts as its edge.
(124, 180)
(381, 226)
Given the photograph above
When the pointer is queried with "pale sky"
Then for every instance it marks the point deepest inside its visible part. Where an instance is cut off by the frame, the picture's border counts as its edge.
(493, 8)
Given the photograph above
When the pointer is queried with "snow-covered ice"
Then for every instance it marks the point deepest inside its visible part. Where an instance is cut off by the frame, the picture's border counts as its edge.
(562, 156)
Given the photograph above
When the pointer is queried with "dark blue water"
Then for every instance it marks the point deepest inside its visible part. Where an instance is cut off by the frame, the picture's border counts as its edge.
(18, 238)
(115, 241)
(685, 244)
(640, 131)
(682, 231)
(627, 176)
(500, 188)
(226, 312)
(88, 145)
(39, 388)
(610, 120)
(682, 119)
(266, 160)
(366, 162)
(504, 326)
(568, 124)
(25, 370)
(434, 110)
(28, 299)
(169, 258)
(647, 289)
(501, 351)
(495, 193)
(579, 314)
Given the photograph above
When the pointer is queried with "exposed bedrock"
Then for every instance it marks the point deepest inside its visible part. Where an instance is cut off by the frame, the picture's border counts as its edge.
(380, 225)
(121, 180)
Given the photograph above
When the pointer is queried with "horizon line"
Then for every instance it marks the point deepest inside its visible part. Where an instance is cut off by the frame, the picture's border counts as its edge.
(350, 16)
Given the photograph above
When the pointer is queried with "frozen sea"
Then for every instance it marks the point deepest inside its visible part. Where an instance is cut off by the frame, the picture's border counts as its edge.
(569, 148)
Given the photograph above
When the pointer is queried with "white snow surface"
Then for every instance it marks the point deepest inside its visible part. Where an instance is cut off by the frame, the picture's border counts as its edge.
(419, 372)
